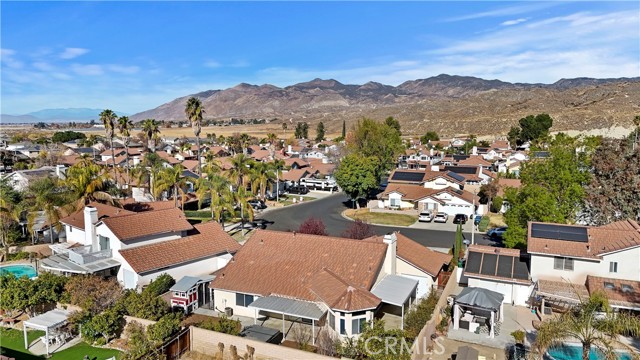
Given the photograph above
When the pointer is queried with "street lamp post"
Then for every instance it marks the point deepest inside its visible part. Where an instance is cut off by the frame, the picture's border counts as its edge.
(473, 228)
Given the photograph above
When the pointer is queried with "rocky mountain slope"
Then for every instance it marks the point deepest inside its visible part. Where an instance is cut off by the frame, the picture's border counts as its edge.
(444, 103)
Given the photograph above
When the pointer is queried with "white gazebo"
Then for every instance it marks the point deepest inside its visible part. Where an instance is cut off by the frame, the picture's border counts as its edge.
(46, 322)
(482, 300)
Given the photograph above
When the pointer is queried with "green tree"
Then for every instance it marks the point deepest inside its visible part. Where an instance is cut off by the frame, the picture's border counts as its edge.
(46, 195)
(92, 293)
(320, 132)
(357, 175)
(108, 323)
(140, 347)
(88, 181)
(372, 138)
(108, 118)
(514, 136)
(64, 136)
(240, 168)
(535, 127)
(302, 130)
(160, 285)
(260, 175)
(344, 129)
(429, 136)
(172, 178)
(145, 305)
(194, 111)
(593, 324)
(124, 127)
(496, 204)
(10, 210)
(375, 343)
(417, 316)
(393, 123)
(164, 328)
(151, 129)
(215, 188)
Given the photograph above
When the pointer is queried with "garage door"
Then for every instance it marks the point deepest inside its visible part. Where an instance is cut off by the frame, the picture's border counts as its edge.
(423, 284)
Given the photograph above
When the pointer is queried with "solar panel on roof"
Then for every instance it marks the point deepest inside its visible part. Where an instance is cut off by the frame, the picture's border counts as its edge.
(455, 176)
(462, 169)
(407, 176)
(505, 266)
(559, 232)
(473, 262)
(460, 157)
(489, 264)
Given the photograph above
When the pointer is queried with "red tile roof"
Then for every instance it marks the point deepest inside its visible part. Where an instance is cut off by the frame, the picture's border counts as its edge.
(76, 219)
(295, 174)
(133, 226)
(210, 240)
(627, 296)
(339, 294)
(286, 264)
(422, 257)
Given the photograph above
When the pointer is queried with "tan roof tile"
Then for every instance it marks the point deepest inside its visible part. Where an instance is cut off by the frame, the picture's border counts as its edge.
(285, 264)
(629, 296)
(420, 256)
(339, 294)
(210, 240)
(295, 174)
(133, 226)
(76, 219)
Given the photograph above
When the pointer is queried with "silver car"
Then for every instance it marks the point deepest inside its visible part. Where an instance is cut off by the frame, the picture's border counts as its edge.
(425, 216)
(441, 217)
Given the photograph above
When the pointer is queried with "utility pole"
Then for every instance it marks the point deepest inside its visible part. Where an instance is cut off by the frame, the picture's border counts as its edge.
(473, 228)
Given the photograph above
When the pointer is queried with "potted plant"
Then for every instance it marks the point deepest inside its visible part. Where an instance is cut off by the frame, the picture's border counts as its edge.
(518, 336)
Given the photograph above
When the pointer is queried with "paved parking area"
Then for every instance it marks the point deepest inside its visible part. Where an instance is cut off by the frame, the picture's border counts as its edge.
(448, 226)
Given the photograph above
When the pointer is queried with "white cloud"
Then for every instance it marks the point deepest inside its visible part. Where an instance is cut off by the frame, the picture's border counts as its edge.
(513, 22)
(43, 66)
(87, 70)
(7, 58)
(505, 11)
(70, 53)
(212, 64)
(123, 69)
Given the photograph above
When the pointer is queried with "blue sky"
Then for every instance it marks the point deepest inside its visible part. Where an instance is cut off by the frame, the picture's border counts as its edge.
(133, 56)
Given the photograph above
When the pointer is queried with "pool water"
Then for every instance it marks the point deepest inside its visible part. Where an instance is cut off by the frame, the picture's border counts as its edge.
(19, 271)
(567, 352)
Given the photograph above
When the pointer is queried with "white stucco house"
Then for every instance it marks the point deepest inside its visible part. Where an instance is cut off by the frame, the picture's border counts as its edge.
(136, 247)
(448, 200)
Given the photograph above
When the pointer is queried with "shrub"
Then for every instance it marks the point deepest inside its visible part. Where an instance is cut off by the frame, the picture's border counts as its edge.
(496, 204)
(160, 285)
(198, 214)
(144, 305)
(484, 224)
(20, 255)
(417, 317)
(164, 328)
(222, 324)
(313, 226)
(518, 336)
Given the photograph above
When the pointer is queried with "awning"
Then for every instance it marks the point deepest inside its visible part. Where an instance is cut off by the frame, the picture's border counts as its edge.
(395, 289)
(62, 263)
(286, 306)
(49, 320)
(479, 297)
(562, 291)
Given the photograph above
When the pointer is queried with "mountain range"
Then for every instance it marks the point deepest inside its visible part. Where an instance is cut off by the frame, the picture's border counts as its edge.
(447, 104)
(53, 115)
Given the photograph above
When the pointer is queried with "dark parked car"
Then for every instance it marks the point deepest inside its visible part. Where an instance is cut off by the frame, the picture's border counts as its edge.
(257, 204)
(298, 190)
(460, 219)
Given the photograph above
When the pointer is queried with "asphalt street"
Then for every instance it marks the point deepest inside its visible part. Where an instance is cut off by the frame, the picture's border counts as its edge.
(329, 210)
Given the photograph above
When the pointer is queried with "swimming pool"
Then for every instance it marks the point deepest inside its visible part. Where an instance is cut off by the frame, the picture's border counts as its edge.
(572, 352)
(19, 270)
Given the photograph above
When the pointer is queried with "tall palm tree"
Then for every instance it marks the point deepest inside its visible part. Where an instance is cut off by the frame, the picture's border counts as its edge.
(108, 118)
(272, 139)
(124, 127)
(171, 178)
(48, 196)
(277, 165)
(87, 182)
(241, 199)
(211, 165)
(217, 189)
(194, 111)
(10, 211)
(244, 140)
(151, 128)
(240, 165)
(587, 324)
(260, 175)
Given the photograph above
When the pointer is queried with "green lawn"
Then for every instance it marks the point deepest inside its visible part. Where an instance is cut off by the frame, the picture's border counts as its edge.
(12, 345)
(381, 218)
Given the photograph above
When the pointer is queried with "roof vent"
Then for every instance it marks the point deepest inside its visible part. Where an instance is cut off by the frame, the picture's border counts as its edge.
(546, 247)
(497, 251)
(261, 241)
(588, 248)
(294, 233)
(608, 285)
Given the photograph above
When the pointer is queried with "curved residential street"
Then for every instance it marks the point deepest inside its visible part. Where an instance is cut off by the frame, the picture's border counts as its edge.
(329, 210)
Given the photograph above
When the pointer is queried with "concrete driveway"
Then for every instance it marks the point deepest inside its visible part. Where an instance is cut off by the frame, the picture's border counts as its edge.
(448, 226)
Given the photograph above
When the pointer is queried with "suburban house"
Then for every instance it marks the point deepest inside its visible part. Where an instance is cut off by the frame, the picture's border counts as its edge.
(136, 247)
(505, 271)
(324, 281)
(430, 179)
(448, 200)
(569, 261)
(21, 179)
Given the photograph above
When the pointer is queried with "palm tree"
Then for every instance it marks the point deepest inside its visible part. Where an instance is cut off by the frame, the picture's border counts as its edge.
(124, 127)
(171, 178)
(241, 201)
(87, 182)
(217, 189)
(211, 165)
(48, 196)
(277, 165)
(10, 211)
(239, 169)
(194, 112)
(244, 140)
(108, 118)
(587, 324)
(260, 176)
(151, 128)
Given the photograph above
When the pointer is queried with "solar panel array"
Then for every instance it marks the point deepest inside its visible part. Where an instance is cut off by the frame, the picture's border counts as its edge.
(497, 265)
(407, 176)
(462, 169)
(455, 176)
(559, 232)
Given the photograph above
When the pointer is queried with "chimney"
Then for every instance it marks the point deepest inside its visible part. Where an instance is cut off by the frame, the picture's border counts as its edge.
(431, 152)
(90, 219)
(60, 172)
(289, 149)
(390, 257)
(435, 167)
(474, 150)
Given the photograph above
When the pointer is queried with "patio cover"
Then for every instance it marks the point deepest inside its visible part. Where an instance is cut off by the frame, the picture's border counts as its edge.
(395, 289)
(467, 353)
(479, 297)
(290, 307)
(49, 320)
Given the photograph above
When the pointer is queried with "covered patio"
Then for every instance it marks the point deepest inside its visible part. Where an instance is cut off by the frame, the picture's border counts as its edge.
(49, 322)
(294, 310)
(398, 291)
(479, 306)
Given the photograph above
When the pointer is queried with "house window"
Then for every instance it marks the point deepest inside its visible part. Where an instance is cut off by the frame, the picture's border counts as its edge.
(332, 320)
(357, 325)
(613, 267)
(609, 285)
(562, 263)
(70, 228)
(243, 299)
(627, 288)
(104, 243)
(343, 330)
(395, 202)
